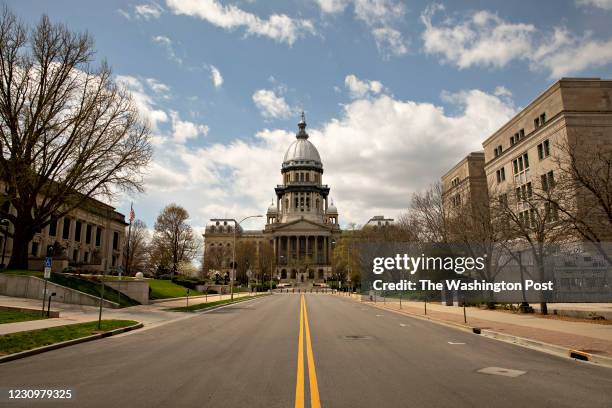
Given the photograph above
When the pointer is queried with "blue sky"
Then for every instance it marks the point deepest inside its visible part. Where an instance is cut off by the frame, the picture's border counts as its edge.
(395, 92)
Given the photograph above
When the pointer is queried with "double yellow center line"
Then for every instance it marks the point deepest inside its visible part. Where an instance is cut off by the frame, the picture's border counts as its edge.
(312, 373)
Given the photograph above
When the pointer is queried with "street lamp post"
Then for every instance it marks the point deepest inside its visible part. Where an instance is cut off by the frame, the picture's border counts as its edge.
(5, 223)
(236, 225)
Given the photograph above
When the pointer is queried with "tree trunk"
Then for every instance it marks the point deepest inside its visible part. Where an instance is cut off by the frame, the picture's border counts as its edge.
(544, 308)
(19, 253)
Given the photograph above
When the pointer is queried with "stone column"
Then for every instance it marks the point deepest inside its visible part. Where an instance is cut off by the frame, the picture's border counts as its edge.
(315, 252)
(306, 249)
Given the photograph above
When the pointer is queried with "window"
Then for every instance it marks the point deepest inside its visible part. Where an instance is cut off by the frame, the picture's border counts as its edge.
(98, 236)
(455, 182)
(307, 176)
(521, 134)
(115, 240)
(513, 139)
(501, 175)
(456, 200)
(88, 234)
(521, 163)
(498, 151)
(66, 229)
(542, 119)
(536, 123)
(544, 149)
(86, 257)
(75, 255)
(34, 248)
(547, 180)
(77, 231)
(53, 228)
(539, 121)
(552, 211)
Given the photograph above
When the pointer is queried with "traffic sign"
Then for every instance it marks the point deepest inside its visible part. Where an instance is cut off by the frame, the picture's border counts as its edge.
(48, 262)
(47, 272)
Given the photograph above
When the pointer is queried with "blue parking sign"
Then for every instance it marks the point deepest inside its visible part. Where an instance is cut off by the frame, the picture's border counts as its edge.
(48, 262)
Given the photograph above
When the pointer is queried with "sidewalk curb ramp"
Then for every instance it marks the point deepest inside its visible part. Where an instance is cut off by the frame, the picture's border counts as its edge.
(541, 346)
(43, 349)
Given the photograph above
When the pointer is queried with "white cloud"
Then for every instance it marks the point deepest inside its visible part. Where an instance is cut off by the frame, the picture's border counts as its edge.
(169, 46)
(157, 87)
(602, 4)
(376, 153)
(279, 27)
(332, 6)
(502, 91)
(378, 12)
(360, 88)
(183, 130)
(145, 104)
(389, 42)
(148, 11)
(379, 16)
(271, 105)
(216, 77)
(485, 39)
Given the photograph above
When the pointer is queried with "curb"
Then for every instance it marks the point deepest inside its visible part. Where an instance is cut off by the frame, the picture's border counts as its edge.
(209, 309)
(39, 350)
(537, 345)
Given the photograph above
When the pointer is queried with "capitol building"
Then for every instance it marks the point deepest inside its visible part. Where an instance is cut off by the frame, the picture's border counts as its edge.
(301, 224)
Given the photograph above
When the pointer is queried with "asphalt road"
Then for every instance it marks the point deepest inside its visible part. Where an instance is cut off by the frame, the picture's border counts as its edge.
(247, 355)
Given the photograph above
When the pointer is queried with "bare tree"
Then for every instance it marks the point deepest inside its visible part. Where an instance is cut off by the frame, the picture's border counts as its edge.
(215, 259)
(174, 239)
(137, 255)
(526, 221)
(428, 214)
(584, 186)
(68, 133)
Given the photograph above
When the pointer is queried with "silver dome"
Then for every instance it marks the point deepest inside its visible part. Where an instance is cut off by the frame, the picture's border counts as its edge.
(302, 150)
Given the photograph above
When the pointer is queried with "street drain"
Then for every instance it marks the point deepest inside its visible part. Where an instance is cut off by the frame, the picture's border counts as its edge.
(356, 337)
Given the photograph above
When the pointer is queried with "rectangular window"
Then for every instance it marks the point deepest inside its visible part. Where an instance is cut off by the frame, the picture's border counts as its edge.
(34, 248)
(521, 133)
(307, 176)
(98, 236)
(75, 255)
(551, 179)
(512, 140)
(86, 257)
(53, 228)
(66, 229)
(77, 231)
(498, 174)
(88, 234)
(115, 240)
(544, 149)
(542, 119)
(536, 123)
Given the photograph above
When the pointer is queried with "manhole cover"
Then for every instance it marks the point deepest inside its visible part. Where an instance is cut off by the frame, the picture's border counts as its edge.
(356, 337)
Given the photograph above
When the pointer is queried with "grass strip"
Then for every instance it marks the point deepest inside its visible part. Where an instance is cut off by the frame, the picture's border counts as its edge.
(14, 316)
(203, 306)
(27, 340)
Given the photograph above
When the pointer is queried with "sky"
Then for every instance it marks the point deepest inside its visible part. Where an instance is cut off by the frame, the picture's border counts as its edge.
(394, 92)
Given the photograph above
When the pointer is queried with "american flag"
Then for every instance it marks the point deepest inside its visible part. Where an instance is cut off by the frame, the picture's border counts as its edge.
(132, 213)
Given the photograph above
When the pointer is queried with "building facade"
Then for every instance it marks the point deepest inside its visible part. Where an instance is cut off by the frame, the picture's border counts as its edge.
(464, 187)
(302, 223)
(89, 238)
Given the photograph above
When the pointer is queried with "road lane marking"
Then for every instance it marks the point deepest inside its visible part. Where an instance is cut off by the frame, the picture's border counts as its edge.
(312, 372)
(453, 343)
(505, 372)
(299, 385)
(404, 325)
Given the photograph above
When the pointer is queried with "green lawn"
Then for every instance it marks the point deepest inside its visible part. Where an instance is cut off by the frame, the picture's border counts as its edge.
(13, 316)
(165, 289)
(83, 285)
(21, 341)
(202, 306)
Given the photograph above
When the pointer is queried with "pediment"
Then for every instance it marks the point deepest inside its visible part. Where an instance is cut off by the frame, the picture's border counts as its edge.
(302, 225)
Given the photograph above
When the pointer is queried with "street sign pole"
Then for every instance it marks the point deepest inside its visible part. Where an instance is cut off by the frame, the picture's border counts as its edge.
(46, 276)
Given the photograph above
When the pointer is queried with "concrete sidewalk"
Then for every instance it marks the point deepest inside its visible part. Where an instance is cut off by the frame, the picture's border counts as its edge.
(589, 337)
(150, 315)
